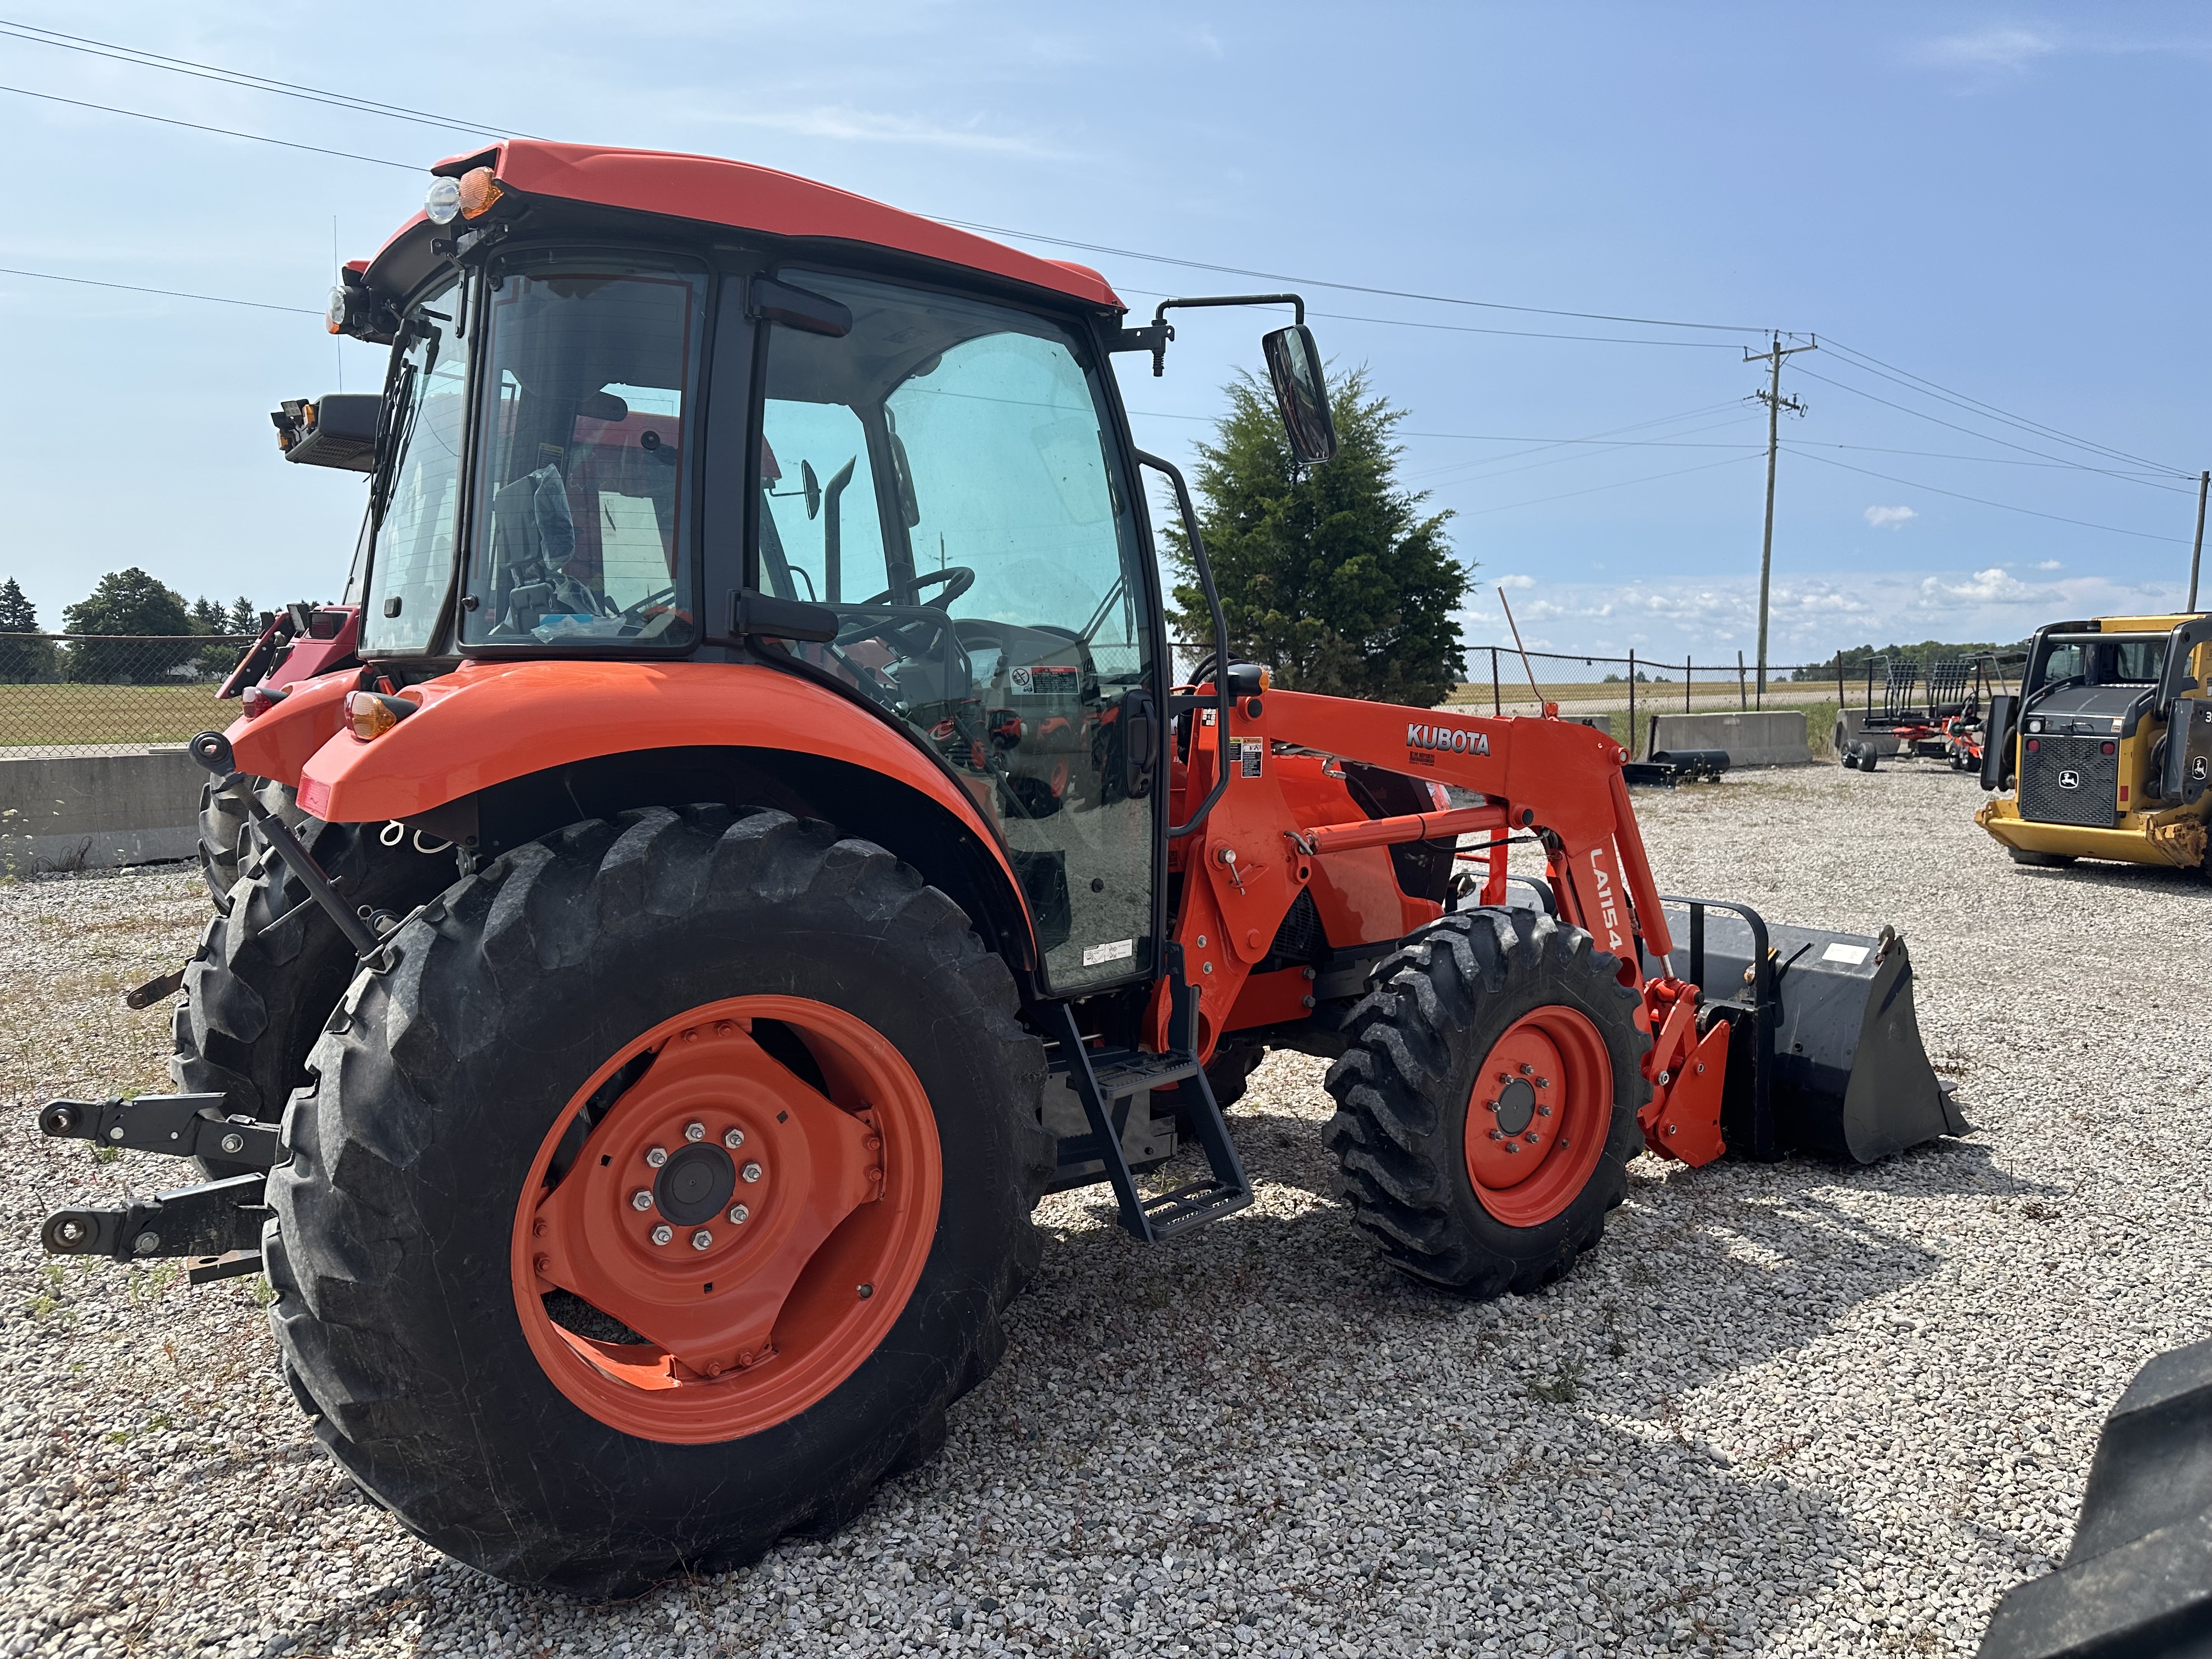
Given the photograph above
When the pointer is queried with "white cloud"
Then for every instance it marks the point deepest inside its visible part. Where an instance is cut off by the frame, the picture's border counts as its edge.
(2050, 564)
(1517, 583)
(1890, 518)
(1998, 47)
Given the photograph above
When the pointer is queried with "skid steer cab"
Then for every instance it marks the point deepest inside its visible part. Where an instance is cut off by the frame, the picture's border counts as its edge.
(2107, 749)
(768, 844)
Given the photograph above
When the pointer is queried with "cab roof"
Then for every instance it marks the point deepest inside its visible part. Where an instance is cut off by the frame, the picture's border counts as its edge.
(712, 190)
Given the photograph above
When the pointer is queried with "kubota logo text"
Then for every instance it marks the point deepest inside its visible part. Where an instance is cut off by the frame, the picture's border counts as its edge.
(1454, 739)
(1608, 905)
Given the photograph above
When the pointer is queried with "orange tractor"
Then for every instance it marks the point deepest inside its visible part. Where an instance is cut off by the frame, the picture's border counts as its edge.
(763, 848)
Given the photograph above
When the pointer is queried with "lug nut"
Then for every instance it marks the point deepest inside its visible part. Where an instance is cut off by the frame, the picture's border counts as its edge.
(864, 1290)
(695, 1132)
(1543, 1111)
(750, 1172)
(1497, 1134)
(739, 1215)
(1543, 1083)
(1531, 1137)
(1512, 1145)
(1527, 1070)
(234, 1143)
(734, 1139)
(702, 1240)
(663, 1233)
(655, 1157)
(641, 1199)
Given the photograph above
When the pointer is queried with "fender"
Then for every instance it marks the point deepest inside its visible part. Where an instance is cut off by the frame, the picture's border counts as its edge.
(279, 744)
(489, 722)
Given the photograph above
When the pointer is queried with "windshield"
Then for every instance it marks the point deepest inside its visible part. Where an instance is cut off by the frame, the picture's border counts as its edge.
(2135, 660)
(587, 416)
(414, 510)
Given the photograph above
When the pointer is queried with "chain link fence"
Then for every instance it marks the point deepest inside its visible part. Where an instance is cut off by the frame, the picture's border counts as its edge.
(112, 693)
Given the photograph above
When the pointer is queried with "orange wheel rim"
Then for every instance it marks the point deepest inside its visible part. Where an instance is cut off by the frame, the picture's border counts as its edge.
(1538, 1116)
(727, 1218)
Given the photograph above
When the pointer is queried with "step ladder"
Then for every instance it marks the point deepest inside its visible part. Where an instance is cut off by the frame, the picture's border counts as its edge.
(1109, 1080)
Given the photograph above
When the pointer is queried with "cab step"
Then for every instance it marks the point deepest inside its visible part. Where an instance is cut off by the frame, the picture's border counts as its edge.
(1110, 1082)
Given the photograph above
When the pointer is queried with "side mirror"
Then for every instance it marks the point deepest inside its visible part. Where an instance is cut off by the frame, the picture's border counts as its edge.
(812, 486)
(1301, 392)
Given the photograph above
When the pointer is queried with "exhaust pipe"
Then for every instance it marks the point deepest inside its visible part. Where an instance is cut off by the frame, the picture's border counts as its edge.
(1825, 1054)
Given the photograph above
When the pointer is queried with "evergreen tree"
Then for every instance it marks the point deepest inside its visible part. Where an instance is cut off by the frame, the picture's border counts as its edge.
(128, 602)
(244, 618)
(209, 617)
(1330, 575)
(22, 661)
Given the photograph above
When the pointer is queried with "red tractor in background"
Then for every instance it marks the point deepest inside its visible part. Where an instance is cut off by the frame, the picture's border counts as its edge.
(763, 848)
(301, 642)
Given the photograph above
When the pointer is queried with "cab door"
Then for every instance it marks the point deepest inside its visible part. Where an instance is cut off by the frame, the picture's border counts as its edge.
(942, 474)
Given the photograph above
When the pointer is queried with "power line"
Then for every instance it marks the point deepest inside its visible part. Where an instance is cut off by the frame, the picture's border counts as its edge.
(1465, 328)
(1979, 501)
(166, 293)
(1922, 414)
(1583, 450)
(198, 126)
(319, 94)
(1621, 483)
(122, 54)
(2020, 421)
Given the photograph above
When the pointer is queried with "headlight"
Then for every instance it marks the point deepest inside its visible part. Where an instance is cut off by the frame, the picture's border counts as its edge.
(2035, 725)
(442, 201)
(334, 316)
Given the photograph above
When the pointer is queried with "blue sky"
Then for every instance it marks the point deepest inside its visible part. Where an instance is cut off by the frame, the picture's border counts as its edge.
(2000, 202)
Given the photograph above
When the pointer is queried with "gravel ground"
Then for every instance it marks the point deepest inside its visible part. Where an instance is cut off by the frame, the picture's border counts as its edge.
(1784, 1409)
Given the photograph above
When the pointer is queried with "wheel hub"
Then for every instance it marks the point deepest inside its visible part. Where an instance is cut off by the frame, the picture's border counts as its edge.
(695, 1185)
(1515, 1105)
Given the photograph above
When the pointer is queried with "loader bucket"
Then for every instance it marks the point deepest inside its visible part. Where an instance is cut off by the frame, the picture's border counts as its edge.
(1846, 1075)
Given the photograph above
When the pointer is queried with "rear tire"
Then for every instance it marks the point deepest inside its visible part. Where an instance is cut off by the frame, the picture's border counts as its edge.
(444, 1079)
(223, 824)
(1471, 988)
(2040, 860)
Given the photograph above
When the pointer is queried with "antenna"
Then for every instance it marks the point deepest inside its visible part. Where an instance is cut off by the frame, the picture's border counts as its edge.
(1549, 708)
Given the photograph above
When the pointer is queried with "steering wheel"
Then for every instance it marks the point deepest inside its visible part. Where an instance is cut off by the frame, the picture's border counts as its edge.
(957, 580)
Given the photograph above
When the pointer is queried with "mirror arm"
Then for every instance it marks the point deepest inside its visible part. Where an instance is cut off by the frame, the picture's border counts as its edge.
(1155, 339)
(1222, 696)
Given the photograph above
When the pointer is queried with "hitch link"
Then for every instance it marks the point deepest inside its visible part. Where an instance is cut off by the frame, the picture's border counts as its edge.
(182, 1125)
(217, 1224)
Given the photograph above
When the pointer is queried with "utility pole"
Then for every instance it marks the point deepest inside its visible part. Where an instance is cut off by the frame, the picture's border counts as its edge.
(2196, 553)
(1775, 403)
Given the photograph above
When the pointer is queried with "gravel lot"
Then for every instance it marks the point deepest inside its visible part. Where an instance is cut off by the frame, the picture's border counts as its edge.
(1791, 1408)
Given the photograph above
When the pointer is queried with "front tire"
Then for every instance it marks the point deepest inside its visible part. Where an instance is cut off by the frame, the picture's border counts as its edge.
(480, 1126)
(224, 846)
(1493, 1029)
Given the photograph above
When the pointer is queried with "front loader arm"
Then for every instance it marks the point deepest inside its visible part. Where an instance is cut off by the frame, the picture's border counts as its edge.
(1244, 868)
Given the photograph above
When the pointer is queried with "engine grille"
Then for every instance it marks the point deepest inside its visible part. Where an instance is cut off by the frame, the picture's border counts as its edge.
(2092, 802)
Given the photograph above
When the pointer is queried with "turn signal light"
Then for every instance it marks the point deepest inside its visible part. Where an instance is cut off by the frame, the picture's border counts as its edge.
(372, 714)
(479, 189)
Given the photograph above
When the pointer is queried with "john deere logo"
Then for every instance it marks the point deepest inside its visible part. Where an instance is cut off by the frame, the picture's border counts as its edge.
(2070, 780)
(2197, 769)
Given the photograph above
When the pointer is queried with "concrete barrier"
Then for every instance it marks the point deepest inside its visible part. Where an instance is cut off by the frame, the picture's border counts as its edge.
(1773, 737)
(95, 809)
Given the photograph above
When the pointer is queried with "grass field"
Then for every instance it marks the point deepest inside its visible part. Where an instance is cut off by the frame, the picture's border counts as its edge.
(54, 715)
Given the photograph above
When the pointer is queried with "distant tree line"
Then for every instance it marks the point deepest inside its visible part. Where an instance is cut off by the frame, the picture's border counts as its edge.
(1852, 661)
(127, 602)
